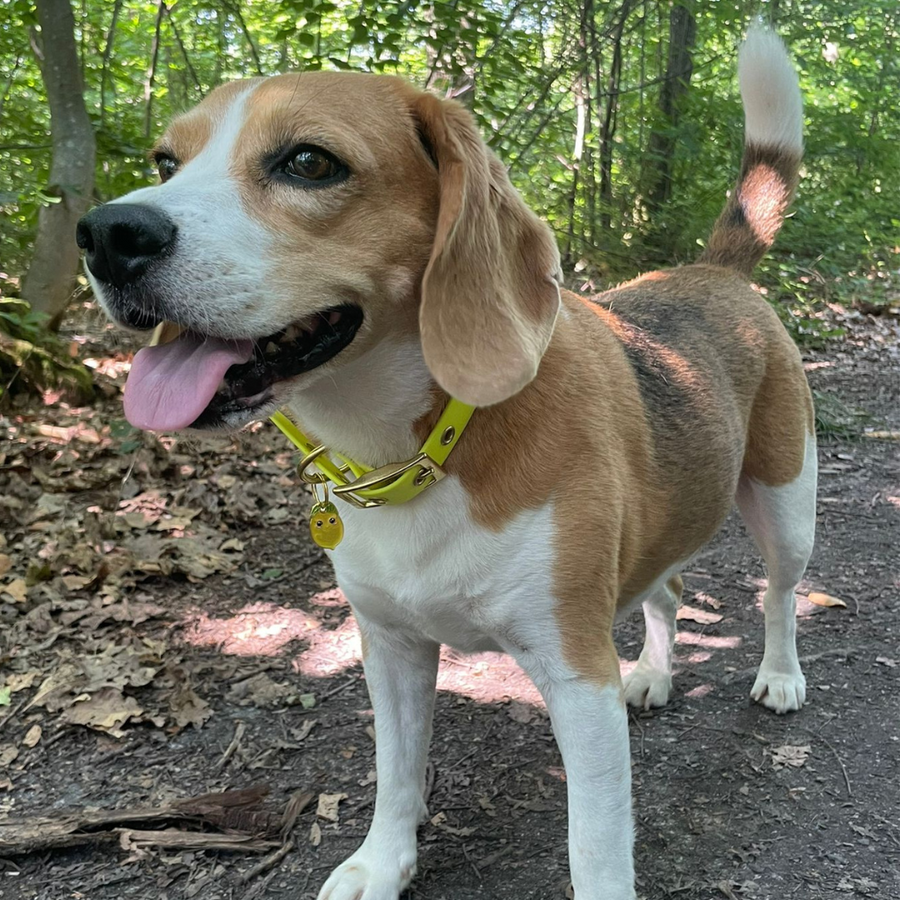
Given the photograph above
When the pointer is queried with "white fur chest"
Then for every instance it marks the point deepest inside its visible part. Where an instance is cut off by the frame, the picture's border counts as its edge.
(428, 567)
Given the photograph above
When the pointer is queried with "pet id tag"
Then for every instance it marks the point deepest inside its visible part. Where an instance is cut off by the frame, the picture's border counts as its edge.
(325, 525)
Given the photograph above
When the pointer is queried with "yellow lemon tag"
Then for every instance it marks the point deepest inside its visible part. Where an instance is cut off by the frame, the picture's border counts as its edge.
(325, 525)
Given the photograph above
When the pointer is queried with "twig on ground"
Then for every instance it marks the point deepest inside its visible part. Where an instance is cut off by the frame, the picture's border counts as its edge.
(837, 756)
(338, 690)
(271, 860)
(232, 747)
(298, 802)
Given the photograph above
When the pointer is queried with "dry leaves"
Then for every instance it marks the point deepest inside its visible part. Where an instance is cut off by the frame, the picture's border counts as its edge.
(33, 736)
(821, 599)
(107, 710)
(790, 756)
(328, 806)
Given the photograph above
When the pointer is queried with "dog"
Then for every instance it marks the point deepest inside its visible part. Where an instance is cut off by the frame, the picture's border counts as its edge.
(344, 247)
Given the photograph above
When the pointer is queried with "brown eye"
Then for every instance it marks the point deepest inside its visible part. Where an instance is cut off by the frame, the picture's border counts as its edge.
(166, 166)
(315, 166)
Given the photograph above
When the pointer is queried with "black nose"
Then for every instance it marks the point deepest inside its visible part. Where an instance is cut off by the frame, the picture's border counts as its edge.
(121, 240)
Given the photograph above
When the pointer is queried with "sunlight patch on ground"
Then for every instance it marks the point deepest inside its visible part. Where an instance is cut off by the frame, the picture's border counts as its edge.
(709, 641)
(260, 629)
(266, 629)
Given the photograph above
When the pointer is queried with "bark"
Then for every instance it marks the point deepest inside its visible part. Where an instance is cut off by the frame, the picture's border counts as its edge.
(610, 118)
(151, 71)
(107, 57)
(679, 66)
(50, 280)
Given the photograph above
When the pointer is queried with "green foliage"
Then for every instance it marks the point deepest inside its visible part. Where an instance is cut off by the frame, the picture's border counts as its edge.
(836, 420)
(33, 359)
(519, 66)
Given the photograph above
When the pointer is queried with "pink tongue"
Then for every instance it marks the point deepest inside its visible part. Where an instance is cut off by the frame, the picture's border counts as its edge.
(171, 384)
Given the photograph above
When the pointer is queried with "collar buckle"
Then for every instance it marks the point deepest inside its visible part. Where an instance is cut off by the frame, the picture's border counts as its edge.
(429, 473)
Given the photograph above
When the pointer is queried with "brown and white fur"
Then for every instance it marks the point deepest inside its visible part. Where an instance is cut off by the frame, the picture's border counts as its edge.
(615, 433)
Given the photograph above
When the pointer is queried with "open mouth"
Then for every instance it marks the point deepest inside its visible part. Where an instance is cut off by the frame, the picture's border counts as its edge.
(202, 382)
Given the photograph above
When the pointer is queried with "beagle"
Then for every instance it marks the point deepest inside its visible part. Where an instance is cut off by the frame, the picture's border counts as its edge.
(345, 248)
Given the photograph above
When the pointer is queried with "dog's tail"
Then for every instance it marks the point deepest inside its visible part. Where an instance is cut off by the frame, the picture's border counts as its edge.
(773, 148)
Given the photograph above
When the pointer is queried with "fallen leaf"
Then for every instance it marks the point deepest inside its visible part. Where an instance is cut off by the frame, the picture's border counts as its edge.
(17, 589)
(825, 599)
(5, 693)
(5, 563)
(32, 736)
(299, 734)
(107, 710)
(21, 681)
(315, 834)
(328, 806)
(263, 693)
(521, 712)
(187, 708)
(8, 755)
(440, 821)
(788, 755)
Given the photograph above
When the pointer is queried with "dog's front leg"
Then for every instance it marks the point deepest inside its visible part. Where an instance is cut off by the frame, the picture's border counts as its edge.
(401, 670)
(591, 727)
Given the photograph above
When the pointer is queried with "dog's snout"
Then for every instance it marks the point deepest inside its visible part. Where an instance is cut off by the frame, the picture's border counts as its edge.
(121, 240)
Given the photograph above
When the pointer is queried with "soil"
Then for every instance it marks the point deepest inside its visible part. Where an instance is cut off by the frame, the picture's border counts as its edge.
(723, 809)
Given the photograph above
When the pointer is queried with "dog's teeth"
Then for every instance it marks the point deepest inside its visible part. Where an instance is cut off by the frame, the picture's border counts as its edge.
(291, 333)
(271, 347)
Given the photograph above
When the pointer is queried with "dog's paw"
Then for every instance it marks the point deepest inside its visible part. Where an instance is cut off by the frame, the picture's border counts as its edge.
(365, 877)
(782, 692)
(647, 688)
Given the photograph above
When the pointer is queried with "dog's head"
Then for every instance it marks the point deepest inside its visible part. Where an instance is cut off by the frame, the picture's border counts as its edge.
(303, 219)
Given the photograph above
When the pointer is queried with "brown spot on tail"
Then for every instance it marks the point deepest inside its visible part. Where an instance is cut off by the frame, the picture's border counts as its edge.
(747, 226)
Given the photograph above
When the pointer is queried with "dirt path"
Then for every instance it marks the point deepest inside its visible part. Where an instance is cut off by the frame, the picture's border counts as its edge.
(731, 801)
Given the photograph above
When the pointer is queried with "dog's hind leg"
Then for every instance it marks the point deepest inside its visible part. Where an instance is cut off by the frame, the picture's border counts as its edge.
(650, 683)
(782, 521)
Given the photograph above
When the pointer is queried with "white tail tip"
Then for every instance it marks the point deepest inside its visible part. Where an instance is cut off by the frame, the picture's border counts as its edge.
(770, 90)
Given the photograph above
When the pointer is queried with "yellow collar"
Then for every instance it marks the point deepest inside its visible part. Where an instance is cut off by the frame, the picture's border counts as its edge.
(392, 484)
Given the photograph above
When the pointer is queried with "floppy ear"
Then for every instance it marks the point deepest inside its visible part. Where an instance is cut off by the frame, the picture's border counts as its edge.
(490, 294)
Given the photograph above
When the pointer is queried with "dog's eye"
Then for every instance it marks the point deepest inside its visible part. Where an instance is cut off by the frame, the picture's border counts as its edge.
(315, 166)
(166, 166)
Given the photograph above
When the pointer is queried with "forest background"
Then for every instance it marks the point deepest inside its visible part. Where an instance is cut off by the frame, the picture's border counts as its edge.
(620, 122)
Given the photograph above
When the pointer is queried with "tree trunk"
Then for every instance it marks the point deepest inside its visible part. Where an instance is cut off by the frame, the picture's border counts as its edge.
(51, 278)
(610, 118)
(680, 65)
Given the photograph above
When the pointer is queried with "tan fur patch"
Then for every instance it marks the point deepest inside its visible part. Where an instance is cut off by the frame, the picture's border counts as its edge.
(186, 137)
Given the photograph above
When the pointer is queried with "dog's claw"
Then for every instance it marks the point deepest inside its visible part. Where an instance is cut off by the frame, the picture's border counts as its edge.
(647, 688)
(781, 692)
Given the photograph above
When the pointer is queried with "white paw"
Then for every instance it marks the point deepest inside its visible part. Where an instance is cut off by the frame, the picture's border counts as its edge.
(781, 691)
(367, 876)
(647, 688)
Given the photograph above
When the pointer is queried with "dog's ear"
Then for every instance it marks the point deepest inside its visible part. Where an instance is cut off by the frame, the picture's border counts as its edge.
(490, 294)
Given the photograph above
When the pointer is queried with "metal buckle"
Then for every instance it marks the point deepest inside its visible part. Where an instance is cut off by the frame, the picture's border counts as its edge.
(385, 475)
